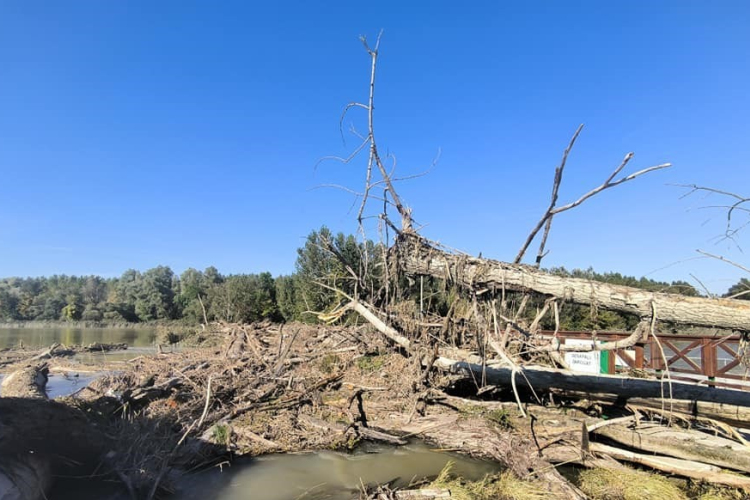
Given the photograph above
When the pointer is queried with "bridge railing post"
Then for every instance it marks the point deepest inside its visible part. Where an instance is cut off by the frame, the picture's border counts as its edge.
(709, 360)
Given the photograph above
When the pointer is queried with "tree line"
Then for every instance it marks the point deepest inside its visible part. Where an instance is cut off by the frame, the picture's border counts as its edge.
(327, 267)
(197, 296)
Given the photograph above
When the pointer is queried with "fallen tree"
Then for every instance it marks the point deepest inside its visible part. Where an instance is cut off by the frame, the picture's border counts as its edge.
(682, 444)
(490, 361)
(417, 257)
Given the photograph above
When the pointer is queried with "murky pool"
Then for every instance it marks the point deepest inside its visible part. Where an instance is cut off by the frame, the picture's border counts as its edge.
(326, 475)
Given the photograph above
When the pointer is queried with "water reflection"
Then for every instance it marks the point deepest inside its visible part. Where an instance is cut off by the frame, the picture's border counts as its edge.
(328, 475)
(43, 337)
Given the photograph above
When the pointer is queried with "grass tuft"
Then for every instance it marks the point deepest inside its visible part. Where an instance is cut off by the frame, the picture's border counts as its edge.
(627, 484)
(504, 486)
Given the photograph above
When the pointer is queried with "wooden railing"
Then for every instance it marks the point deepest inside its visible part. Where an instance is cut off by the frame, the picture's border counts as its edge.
(709, 360)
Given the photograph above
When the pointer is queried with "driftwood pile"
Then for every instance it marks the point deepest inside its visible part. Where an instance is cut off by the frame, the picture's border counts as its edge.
(506, 351)
(273, 388)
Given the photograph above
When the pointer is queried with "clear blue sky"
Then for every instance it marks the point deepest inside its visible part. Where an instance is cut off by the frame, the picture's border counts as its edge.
(185, 133)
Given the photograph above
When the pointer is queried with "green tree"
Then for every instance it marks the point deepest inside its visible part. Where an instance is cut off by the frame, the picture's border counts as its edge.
(72, 311)
(193, 290)
(155, 295)
(286, 297)
(327, 263)
(245, 298)
(8, 305)
(127, 293)
(740, 290)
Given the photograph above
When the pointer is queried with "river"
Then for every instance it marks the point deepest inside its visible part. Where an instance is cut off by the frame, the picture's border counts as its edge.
(328, 474)
(311, 476)
(44, 337)
(85, 367)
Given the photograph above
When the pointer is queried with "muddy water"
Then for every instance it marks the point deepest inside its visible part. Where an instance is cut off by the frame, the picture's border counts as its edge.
(85, 367)
(326, 475)
(65, 384)
(43, 337)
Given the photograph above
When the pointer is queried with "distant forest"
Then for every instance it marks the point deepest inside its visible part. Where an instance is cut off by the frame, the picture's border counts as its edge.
(325, 263)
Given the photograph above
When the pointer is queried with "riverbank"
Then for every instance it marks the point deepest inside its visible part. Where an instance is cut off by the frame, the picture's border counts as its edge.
(265, 388)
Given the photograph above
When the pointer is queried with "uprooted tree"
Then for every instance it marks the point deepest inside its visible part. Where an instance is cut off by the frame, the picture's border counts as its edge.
(501, 341)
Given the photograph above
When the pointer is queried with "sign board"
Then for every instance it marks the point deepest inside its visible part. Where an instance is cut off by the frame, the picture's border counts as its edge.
(587, 362)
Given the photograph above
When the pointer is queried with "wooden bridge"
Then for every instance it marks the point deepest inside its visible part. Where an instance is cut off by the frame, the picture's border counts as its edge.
(708, 360)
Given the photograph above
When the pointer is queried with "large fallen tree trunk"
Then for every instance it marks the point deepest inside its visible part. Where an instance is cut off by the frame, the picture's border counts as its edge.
(417, 257)
(731, 414)
(543, 378)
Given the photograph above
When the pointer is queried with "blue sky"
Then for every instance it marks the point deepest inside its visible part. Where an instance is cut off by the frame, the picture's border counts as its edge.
(186, 133)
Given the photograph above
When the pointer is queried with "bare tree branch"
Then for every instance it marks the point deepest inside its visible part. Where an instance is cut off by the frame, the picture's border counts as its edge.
(553, 200)
(374, 159)
(724, 259)
(708, 293)
(552, 210)
(729, 232)
(609, 185)
(343, 115)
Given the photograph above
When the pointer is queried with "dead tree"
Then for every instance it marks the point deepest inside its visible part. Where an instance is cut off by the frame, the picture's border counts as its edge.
(490, 360)
(415, 256)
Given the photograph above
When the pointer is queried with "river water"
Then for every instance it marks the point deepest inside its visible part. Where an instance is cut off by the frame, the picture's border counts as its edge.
(44, 337)
(84, 366)
(312, 476)
(326, 474)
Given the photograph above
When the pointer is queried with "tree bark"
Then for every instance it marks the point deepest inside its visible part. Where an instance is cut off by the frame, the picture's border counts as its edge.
(731, 414)
(680, 443)
(685, 468)
(417, 257)
(624, 388)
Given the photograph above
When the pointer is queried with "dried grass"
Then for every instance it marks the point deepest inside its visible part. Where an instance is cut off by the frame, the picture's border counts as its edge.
(627, 484)
(504, 486)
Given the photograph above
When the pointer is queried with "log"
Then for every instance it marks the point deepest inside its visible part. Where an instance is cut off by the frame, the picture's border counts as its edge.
(52, 351)
(417, 257)
(423, 494)
(99, 347)
(28, 382)
(685, 468)
(365, 432)
(142, 396)
(731, 414)
(624, 388)
(738, 416)
(679, 443)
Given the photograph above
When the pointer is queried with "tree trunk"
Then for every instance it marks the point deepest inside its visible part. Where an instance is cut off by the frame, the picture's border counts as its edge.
(737, 416)
(28, 382)
(680, 443)
(417, 257)
(685, 468)
(543, 378)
